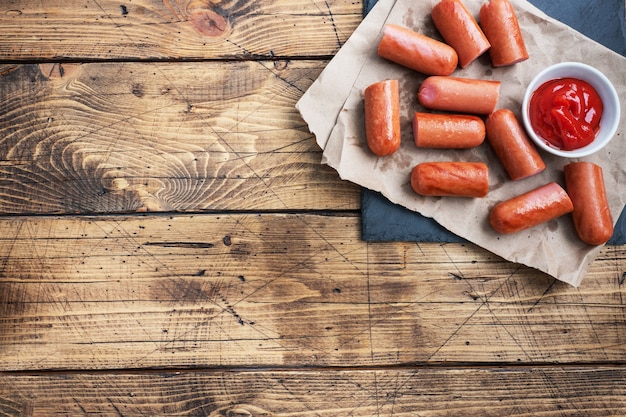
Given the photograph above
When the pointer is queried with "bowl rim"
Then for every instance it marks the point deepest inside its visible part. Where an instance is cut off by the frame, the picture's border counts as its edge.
(594, 77)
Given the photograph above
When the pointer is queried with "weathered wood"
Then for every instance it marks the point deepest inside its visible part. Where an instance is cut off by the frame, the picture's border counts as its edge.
(120, 137)
(261, 300)
(294, 290)
(174, 29)
(504, 391)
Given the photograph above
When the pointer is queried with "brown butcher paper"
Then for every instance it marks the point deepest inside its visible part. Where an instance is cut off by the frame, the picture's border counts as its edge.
(333, 110)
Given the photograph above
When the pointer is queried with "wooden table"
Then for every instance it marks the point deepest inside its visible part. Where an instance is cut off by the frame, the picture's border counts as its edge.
(171, 244)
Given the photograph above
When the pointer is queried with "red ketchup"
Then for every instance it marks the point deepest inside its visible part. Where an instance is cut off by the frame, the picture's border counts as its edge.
(566, 113)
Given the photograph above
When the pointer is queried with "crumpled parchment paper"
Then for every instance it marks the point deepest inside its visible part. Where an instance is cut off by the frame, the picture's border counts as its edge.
(333, 110)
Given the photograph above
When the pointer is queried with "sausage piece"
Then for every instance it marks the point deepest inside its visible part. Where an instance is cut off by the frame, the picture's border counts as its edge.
(460, 30)
(530, 209)
(500, 25)
(450, 179)
(416, 51)
(461, 95)
(584, 183)
(449, 131)
(382, 117)
(511, 144)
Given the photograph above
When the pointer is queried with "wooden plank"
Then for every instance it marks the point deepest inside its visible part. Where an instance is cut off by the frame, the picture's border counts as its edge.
(239, 290)
(124, 137)
(505, 391)
(174, 29)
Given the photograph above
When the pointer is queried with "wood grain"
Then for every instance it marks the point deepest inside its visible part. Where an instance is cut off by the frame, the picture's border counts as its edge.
(124, 137)
(172, 245)
(174, 29)
(239, 290)
(504, 391)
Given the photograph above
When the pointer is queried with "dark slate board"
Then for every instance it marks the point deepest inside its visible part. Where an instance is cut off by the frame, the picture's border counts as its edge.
(383, 221)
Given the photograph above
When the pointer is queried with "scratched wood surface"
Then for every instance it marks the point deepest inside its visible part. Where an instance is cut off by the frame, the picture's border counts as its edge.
(171, 244)
(151, 136)
(174, 29)
(291, 290)
(490, 392)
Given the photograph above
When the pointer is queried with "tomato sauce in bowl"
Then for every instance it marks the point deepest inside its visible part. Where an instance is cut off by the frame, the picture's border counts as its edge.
(566, 112)
(571, 110)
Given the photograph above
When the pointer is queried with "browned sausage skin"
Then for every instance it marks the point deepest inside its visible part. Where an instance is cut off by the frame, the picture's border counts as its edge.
(584, 182)
(500, 25)
(416, 51)
(460, 30)
(448, 131)
(530, 209)
(512, 145)
(450, 179)
(382, 117)
(461, 95)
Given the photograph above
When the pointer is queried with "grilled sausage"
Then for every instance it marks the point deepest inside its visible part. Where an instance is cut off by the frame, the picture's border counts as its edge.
(530, 209)
(500, 25)
(460, 30)
(450, 179)
(451, 131)
(382, 117)
(416, 51)
(461, 95)
(584, 183)
(511, 144)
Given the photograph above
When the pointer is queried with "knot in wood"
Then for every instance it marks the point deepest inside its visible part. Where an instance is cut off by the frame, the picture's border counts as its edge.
(209, 23)
(204, 15)
(58, 71)
(241, 410)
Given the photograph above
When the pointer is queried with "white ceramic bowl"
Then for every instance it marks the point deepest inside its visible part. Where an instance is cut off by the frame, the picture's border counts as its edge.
(610, 100)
